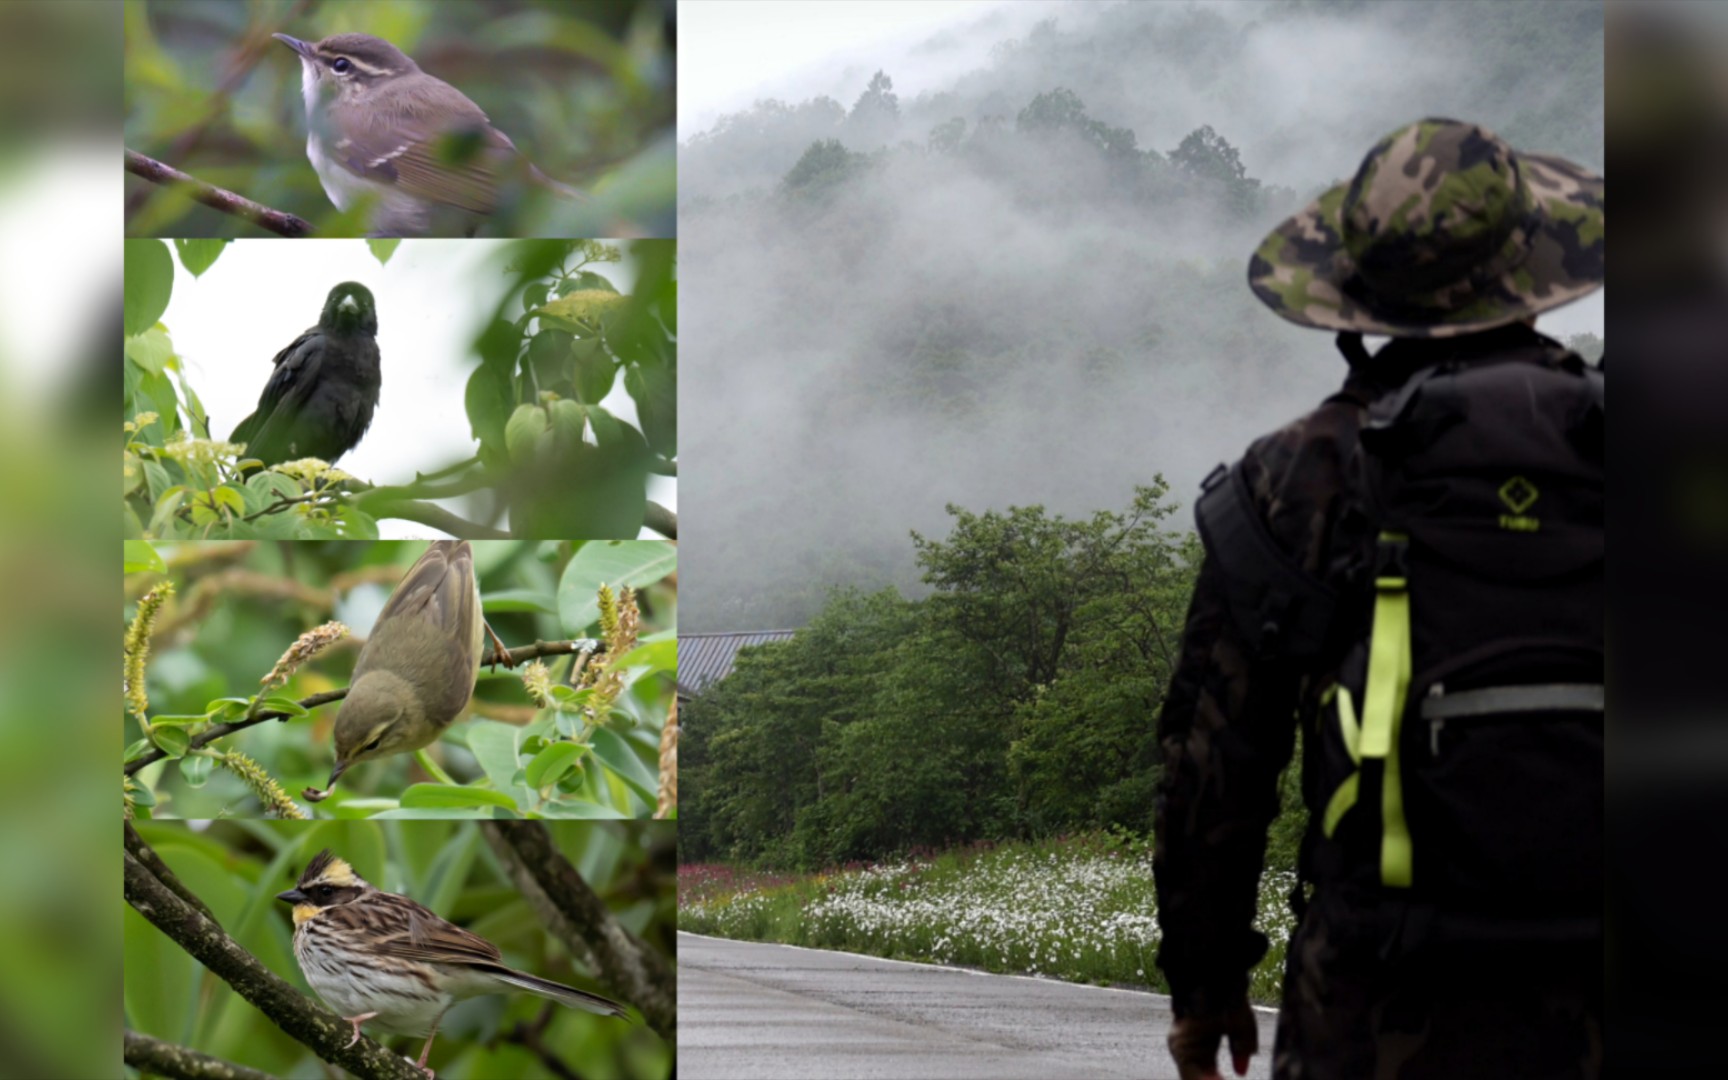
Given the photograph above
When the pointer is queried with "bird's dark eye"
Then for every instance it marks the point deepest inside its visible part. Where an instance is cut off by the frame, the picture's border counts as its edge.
(341, 65)
(373, 745)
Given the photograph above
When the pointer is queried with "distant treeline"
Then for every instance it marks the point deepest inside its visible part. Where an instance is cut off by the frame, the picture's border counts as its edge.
(1018, 699)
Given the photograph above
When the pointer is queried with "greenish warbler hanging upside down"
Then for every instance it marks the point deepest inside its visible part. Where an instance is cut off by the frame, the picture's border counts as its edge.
(416, 671)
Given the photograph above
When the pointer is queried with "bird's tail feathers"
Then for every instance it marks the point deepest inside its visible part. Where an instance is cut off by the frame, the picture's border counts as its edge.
(564, 995)
(561, 190)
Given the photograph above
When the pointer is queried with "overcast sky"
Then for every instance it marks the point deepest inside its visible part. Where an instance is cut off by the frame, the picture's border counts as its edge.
(432, 297)
(732, 53)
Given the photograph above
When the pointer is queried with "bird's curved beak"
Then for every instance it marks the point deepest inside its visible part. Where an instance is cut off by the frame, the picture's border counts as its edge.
(302, 47)
(292, 896)
(341, 767)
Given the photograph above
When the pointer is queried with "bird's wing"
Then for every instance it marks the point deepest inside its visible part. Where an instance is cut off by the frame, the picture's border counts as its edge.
(408, 931)
(440, 597)
(267, 433)
(455, 164)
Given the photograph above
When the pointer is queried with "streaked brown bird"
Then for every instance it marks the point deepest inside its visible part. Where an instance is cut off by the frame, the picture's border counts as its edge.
(379, 128)
(380, 958)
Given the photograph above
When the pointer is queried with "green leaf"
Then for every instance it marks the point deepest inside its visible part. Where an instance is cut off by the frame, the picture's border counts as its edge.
(227, 708)
(621, 760)
(489, 399)
(177, 721)
(519, 600)
(655, 391)
(133, 751)
(442, 796)
(149, 283)
(578, 808)
(383, 249)
(523, 433)
(198, 256)
(572, 697)
(196, 769)
(655, 656)
(283, 705)
(140, 558)
(551, 764)
(150, 350)
(594, 369)
(171, 740)
(610, 562)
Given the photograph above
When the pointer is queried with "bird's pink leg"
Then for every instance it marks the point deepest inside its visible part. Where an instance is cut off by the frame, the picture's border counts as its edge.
(426, 1051)
(500, 655)
(357, 1021)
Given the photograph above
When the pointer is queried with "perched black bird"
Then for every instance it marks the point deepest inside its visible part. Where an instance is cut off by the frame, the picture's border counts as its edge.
(320, 399)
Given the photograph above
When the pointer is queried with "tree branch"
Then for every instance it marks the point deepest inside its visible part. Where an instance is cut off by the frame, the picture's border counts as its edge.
(430, 514)
(146, 854)
(321, 1030)
(216, 731)
(155, 1057)
(582, 922)
(216, 198)
(661, 520)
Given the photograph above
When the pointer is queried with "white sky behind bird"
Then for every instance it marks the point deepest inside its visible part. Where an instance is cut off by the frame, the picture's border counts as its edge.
(433, 297)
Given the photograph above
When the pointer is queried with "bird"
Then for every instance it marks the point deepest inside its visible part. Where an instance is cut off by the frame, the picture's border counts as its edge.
(379, 128)
(417, 669)
(379, 957)
(324, 389)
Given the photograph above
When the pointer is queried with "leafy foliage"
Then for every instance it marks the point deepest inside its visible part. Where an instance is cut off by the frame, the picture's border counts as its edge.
(585, 91)
(550, 458)
(570, 736)
(1017, 700)
(236, 868)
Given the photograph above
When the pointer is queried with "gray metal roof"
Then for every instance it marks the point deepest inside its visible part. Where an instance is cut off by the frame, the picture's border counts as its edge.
(705, 659)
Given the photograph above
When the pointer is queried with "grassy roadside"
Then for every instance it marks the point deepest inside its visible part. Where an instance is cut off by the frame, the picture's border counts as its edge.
(1079, 908)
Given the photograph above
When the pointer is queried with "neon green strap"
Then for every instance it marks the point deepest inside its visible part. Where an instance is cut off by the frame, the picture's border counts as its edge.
(1342, 799)
(1383, 712)
(1345, 796)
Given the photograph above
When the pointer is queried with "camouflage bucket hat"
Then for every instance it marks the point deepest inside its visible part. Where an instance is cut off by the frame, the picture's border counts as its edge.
(1445, 230)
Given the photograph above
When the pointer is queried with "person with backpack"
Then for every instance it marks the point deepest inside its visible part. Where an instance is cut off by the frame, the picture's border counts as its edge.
(1411, 576)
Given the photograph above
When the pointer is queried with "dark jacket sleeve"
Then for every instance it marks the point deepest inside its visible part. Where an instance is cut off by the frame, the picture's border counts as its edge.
(1229, 723)
(1225, 733)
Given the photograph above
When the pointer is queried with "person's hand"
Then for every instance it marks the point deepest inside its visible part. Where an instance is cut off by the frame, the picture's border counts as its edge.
(1194, 1041)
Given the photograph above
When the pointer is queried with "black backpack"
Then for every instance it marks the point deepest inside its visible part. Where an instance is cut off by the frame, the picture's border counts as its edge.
(1456, 760)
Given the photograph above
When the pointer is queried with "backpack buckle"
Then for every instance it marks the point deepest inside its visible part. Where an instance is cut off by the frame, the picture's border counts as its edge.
(1392, 559)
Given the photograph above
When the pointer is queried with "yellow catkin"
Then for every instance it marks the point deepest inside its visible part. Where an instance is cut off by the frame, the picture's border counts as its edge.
(305, 647)
(537, 680)
(136, 649)
(126, 796)
(269, 792)
(668, 800)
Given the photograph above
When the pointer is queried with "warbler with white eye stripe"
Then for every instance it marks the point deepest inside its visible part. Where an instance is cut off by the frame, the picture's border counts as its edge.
(414, 148)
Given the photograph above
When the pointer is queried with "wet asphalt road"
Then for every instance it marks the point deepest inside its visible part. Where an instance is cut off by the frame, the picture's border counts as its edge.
(750, 1011)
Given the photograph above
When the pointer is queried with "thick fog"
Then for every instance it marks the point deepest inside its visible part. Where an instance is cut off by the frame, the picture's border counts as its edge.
(1025, 283)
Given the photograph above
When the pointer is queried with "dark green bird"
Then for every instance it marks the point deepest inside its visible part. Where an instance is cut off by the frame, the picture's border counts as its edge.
(320, 399)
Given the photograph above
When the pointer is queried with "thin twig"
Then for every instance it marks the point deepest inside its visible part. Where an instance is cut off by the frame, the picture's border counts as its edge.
(571, 910)
(276, 221)
(153, 1057)
(319, 1029)
(661, 520)
(216, 731)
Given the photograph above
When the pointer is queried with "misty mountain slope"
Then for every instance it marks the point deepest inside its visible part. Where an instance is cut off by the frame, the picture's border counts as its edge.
(1026, 307)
